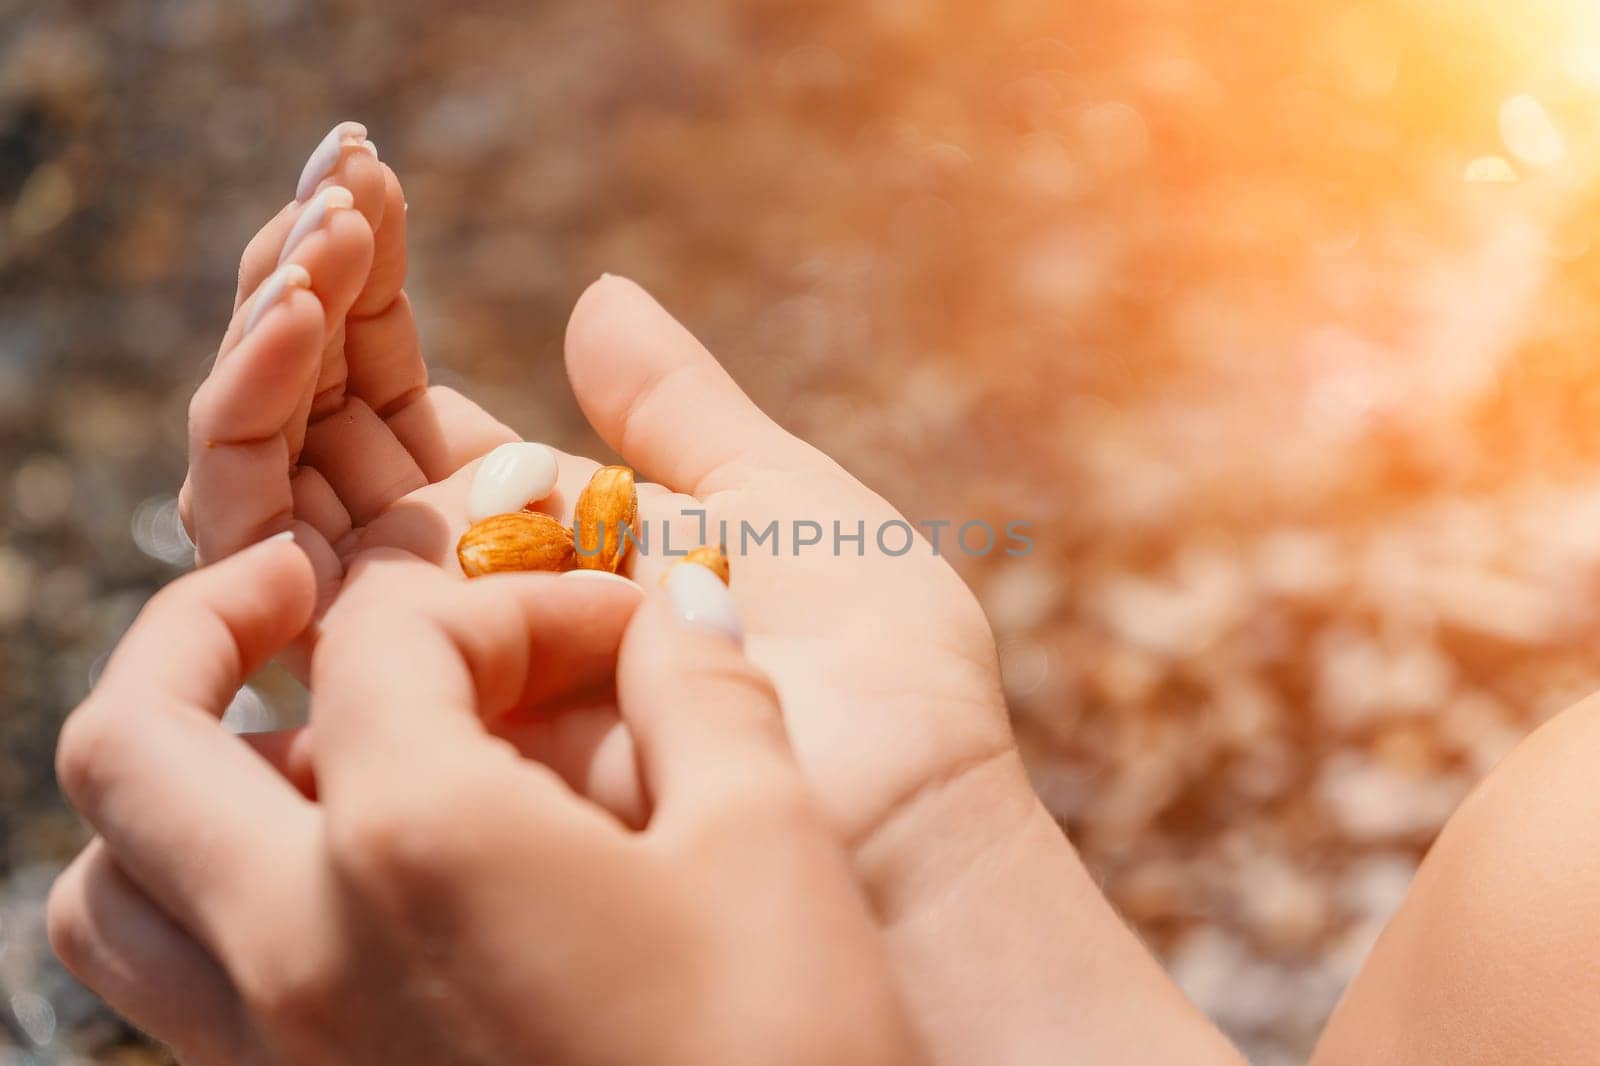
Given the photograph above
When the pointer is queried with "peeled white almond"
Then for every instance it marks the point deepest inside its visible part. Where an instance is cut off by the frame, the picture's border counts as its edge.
(509, 477)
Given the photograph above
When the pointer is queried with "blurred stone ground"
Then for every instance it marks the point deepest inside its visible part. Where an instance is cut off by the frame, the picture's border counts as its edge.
(1303, 420)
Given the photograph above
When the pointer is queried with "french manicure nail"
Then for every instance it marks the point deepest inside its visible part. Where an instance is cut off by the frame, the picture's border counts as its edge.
(510, 477)
(325, 156)
(701, 599)
(311, 216)
(292, 276)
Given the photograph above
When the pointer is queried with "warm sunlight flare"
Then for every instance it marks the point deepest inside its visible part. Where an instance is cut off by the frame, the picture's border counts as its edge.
(1278, 322)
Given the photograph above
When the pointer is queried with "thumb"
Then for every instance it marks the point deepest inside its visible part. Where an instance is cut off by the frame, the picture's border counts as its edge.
(658, 397)
(706, 722)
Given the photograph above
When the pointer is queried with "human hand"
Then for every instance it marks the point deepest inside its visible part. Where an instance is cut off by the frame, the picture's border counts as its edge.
(886, 665)
(446, 900)
(318, 414)
(318, 417)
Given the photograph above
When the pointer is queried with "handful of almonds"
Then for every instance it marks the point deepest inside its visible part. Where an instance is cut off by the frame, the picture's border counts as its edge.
(518, 476)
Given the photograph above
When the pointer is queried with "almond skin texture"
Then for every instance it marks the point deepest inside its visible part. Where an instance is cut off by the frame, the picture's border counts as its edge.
(607, 503)
(713, 559)
(519, 541)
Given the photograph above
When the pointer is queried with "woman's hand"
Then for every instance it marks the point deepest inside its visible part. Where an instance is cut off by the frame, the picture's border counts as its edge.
(318, 413)
(885, 665)
(447, 900)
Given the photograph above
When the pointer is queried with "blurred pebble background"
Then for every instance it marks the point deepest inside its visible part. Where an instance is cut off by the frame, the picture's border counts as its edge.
(1275, 319)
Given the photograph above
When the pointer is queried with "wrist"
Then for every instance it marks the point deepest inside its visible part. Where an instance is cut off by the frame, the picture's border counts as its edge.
(1019, 954)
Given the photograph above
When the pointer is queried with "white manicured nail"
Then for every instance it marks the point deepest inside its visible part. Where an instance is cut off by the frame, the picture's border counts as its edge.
(280, 281)
(287, 534)
(603, 576)
(333, 198)
(701, 599)
(325, 156)
(510, 477)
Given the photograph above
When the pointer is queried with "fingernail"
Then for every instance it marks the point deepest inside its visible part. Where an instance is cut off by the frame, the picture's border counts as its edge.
(603, 576)
(509, 478)
(287, 534)
(311, 216)
(325, 156)
(701, 599)
(369, 146)
(292, 276)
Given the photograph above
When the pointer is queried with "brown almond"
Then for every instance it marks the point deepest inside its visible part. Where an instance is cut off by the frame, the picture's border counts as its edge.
(520, 541)
(607, 503)
(713, 559)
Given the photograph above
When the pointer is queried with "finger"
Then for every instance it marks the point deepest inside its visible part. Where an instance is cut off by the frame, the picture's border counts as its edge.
(384, 356)
(389, 252)
(443, 431)
(367, 467)
(316, 504)
(247, 419)
(343, 157)
(320, 236)
(201, 823)
(584, 742)
(591, 750)
(660, 399)
(338, 253)
(332, 240)
(237, 490)
(343, 172)
(119, 944)
(459, 655)
(287, 751)
(261, 253)
(706, 722)
(381, 344)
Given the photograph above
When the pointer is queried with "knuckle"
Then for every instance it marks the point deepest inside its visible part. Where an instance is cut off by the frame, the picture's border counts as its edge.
(291, 991)
(85, 752)
(735, 692)
(373, 844)
(202, 422)
(736, 679)
(66, 926)
(260, 246)
(752, 685)
(402, 847)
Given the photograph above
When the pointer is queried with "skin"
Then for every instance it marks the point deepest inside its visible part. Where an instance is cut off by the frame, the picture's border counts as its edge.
(321, 421)
(1488, 960)
(446, 900)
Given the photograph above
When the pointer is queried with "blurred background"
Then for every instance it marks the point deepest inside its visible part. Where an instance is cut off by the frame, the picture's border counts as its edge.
(1276, 319)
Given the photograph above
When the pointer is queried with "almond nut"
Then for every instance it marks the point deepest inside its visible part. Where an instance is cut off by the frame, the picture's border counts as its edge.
(606, 504)
(520, 541)
(713, 559)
